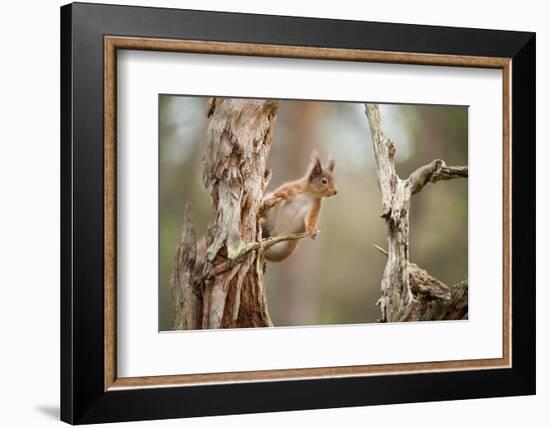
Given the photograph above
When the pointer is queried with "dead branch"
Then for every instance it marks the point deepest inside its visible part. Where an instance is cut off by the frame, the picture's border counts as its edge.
(409, 292)
(432, 173)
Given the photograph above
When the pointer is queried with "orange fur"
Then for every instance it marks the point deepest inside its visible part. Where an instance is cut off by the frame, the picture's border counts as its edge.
(313, 217)
(295, 207)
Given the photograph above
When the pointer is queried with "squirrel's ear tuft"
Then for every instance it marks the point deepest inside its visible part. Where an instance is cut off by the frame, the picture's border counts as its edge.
(330, 164)
(316, 166)
(315, 157)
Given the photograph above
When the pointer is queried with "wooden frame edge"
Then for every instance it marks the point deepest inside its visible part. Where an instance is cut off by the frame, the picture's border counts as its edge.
(507, 213)
(301, 52)
(112, 43)
(298, 374)
(109, 198)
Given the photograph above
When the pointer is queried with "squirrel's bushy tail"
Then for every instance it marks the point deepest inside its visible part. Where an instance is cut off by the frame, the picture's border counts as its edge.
(280, 251)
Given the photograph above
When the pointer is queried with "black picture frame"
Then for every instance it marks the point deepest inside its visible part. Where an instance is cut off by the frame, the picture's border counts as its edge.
(83, 398)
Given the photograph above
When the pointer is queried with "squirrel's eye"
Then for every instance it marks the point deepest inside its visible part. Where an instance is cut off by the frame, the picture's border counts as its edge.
(324, 180)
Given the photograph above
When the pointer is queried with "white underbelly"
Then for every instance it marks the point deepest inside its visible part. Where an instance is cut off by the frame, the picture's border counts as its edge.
(288, 216)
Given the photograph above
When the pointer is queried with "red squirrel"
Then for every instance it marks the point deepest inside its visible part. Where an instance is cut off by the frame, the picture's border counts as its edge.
(294, 207)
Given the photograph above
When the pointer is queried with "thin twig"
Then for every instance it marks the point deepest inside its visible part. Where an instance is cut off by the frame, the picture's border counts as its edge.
(269, 242)
(381, 250)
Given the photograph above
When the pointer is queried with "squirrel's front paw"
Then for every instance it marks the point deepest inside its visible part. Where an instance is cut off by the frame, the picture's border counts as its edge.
(312, 233)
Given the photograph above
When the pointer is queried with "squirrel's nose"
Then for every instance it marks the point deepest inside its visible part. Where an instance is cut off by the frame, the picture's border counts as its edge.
(335, 192)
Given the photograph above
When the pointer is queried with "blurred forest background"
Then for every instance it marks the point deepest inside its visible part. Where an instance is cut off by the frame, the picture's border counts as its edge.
(334, 279)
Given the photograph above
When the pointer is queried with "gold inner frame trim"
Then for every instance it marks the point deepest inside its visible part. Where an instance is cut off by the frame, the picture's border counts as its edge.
(113, 43)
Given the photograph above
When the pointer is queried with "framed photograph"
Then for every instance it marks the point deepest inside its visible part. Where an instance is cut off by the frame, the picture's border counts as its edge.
(266, 213)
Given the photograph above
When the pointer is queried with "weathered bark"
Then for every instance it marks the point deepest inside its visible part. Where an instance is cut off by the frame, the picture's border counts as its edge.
(186, 296)
(408, 292)
(207, 294)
